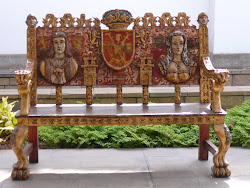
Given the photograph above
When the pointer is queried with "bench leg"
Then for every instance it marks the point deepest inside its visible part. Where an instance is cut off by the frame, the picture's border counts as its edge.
(220, 164)
(33, 138)
(204, 135)
(20, 169)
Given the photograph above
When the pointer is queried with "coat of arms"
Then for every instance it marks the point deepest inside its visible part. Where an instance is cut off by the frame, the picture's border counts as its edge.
(118, 48)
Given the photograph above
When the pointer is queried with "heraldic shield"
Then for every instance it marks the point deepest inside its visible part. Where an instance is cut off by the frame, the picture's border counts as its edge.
(118, 48)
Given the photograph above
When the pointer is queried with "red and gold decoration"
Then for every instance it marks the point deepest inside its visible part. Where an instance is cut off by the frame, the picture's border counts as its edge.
(118, 48)
(119, 57)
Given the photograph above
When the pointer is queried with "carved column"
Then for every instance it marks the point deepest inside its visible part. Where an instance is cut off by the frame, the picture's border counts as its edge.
(204, 52)
(177, 92)
(58, 95)
(145, 77)
(32, 56)
(89, 77)
(119, 97)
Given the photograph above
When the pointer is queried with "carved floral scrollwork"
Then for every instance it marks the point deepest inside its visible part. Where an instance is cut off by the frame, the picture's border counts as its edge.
(50, 19)
(93, 36)
(67, 19)
(166, 18)
(149, 18)
(97, 22)
(137, 21)
(81, 21)
(182, 19)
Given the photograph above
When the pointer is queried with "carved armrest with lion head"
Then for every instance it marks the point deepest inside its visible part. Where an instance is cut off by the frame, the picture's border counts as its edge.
(217, 78)
(23, 78)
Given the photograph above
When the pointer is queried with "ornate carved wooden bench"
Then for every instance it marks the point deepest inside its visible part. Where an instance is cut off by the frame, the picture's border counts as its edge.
(164, 50)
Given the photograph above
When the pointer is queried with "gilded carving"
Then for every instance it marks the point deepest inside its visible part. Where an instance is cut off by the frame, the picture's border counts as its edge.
(118, 48)
(89, 97)
(166, 19)
(97, 22)
(203, 19)
(218, 78)
(23, 78)
(58, 94)
(31, 20)
(146, 70)
(60, 66)
(88, 22)
(149, 19)
(89, 68)
(80, 21)
(119, 97)
(204, 87)
(220, 168)
(136, 120)
(204, 52)
(137, 21)
(67, 20)
(145, 97)
(177, 94)
(182, 19)
(93, 36)
(50, 19)
(20, 168)
(117, 19)
(143, 36)
(176, 65)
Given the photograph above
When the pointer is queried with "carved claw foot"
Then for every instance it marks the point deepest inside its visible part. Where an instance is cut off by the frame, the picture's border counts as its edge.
(221, 171)
(220, 164)
(20, 169)
(20, 174)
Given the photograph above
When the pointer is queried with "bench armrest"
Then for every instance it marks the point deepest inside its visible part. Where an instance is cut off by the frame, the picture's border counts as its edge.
(24, 81)
(217, 79)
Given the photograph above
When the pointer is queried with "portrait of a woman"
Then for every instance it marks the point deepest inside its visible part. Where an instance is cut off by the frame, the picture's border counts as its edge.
(176, 65)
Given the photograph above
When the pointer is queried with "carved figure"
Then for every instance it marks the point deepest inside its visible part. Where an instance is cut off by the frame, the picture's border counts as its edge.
(176, 65)
(203, 19)
(31, 20)
(59, 67)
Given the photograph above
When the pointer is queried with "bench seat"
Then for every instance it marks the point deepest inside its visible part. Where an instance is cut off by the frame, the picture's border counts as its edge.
(125, 114)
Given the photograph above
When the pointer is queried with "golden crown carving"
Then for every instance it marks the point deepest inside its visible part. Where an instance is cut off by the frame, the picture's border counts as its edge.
(117, 19)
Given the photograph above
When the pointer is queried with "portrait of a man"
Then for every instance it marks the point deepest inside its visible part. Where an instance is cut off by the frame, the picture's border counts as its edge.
(59, 67)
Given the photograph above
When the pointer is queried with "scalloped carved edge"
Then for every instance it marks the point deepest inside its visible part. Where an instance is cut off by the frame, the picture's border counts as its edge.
(68, 20)
(165, 19)
(147, 20)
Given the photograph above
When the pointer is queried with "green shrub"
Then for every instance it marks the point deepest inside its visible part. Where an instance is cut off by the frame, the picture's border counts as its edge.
(7, 119)
(238, 121)
(136, 136)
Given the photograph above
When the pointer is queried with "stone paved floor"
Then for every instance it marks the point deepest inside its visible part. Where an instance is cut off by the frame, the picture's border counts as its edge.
(132, 168)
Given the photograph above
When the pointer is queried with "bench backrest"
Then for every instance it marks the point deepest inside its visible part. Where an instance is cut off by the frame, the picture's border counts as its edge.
(70, 51)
